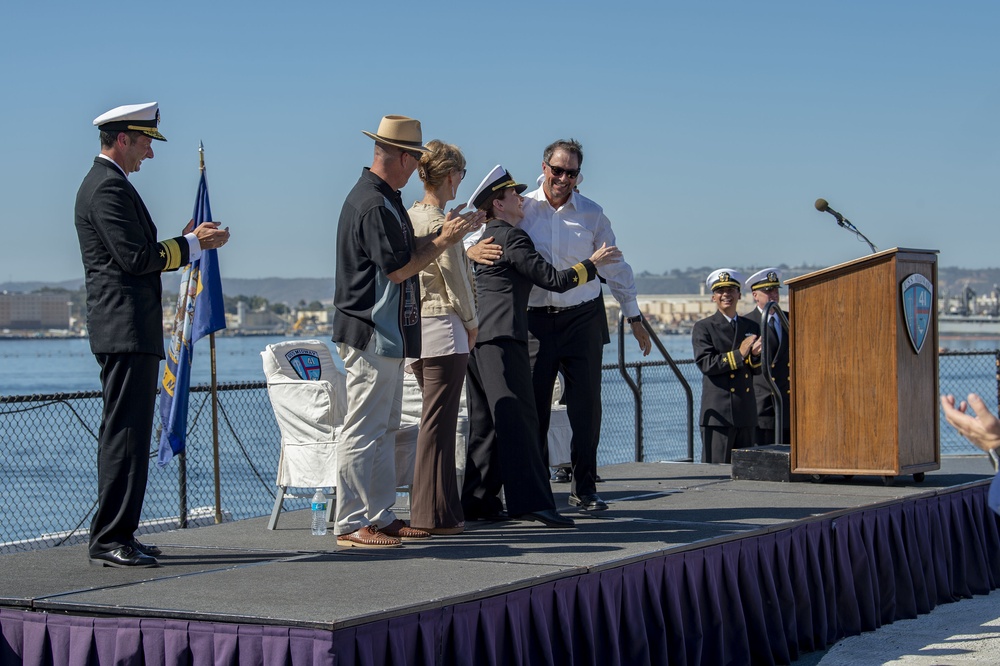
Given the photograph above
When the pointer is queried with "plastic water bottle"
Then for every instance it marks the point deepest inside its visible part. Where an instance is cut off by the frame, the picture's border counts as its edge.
(319, 513)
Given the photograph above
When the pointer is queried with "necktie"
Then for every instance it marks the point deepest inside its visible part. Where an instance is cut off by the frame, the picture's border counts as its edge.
(773, 322)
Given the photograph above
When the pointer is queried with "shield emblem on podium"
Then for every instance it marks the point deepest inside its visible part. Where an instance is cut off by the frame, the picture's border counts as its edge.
(918, 293)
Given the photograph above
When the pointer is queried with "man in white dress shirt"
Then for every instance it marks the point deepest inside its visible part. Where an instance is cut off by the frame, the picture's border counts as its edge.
(569, 330)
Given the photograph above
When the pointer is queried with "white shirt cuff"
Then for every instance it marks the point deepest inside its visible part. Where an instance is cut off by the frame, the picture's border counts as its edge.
(194, 248)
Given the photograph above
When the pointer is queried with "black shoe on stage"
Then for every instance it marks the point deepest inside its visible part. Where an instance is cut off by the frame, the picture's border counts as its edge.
(124, 557)
(146, 549)
(588, 502)
(549, 518)
(563, 475)
(495, 517)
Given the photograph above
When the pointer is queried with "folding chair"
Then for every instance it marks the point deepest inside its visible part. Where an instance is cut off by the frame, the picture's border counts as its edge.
(308, 395)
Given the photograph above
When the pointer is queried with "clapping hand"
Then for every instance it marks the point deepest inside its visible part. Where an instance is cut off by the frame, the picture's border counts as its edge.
(749, 343)
(457, 225)
(983, 429)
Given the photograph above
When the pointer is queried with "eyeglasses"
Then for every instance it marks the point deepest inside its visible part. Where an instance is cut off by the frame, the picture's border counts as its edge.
(414, 154)
(559, 171)
(461, 174)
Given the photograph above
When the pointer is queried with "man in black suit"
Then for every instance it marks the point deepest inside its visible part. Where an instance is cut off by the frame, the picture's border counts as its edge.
(763, 286)
(122, 261)
(727, 351)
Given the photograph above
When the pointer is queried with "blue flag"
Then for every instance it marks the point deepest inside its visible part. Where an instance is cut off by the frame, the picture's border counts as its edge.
(200, 312)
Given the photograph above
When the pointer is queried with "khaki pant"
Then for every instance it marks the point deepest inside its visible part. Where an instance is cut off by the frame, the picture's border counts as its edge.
(366, 462)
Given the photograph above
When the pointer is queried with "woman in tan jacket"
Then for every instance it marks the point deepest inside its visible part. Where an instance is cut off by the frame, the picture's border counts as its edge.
(448, 327)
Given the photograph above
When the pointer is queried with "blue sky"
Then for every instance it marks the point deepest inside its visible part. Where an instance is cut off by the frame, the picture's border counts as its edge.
(709, 128)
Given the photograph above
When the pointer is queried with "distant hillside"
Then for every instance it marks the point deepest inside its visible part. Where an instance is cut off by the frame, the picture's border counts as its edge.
(276, 290)
(675, 281)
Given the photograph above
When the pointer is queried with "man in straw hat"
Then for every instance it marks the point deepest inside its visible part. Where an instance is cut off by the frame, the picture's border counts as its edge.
(122, 261)
(505, 440)
(727, 351)
(376, 325)
(763, 287)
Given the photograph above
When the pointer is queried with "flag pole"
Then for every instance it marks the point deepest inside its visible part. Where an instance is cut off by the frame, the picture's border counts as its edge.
(215, 393)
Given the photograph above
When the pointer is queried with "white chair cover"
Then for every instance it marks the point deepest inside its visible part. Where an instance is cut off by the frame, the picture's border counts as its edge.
(309, 398)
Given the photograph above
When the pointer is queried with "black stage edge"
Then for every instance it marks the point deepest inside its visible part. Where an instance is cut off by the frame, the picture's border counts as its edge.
(689, 566)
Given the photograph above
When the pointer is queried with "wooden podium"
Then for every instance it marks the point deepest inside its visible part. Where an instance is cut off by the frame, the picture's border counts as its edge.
(864, 399)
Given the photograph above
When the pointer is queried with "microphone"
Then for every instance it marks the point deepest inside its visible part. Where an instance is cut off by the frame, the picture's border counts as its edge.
(823, 207)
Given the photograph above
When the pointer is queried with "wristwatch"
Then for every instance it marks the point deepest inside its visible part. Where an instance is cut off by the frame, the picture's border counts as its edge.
(634, 320)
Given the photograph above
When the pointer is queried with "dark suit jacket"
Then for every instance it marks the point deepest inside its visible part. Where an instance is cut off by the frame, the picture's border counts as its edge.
(122, 261)
(502, 289)
(727, 395)
(778, 354)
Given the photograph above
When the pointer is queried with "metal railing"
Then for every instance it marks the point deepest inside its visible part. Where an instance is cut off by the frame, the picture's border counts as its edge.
(48, 446)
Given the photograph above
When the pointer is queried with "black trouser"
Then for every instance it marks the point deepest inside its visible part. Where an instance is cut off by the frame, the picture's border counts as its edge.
(718, 442)
(128, 382)
(571, 342)
(765, 436)
(504, 448)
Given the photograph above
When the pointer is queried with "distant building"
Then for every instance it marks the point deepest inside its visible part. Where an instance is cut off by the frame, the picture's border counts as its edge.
(674, 313)
(34, 311)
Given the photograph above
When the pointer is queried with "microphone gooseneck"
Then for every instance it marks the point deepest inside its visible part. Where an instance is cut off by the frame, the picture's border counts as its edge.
(824, 207)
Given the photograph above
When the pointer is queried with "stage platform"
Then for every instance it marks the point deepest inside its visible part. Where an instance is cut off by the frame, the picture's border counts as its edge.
(686, 567)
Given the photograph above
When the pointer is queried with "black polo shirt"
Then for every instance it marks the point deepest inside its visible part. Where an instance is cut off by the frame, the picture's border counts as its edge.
(375, 238)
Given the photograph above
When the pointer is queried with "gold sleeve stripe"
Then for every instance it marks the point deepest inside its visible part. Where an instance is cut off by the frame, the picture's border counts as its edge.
(173, 254)
(731, 360)
(581, 273)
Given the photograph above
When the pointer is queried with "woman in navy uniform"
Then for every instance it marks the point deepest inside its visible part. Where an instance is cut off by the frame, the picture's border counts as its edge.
(504, 443)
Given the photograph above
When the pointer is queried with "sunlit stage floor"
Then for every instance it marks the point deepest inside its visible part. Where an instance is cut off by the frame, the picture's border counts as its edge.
(526, 594)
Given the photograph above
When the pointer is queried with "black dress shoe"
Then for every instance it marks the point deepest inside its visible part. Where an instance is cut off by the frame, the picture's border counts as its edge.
(588, 502)
(549, 518)
(124, 557)
(496, 516)
(563, 475)
(145, 549)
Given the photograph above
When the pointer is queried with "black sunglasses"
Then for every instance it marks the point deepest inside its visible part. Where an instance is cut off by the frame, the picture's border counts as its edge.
(559, 171)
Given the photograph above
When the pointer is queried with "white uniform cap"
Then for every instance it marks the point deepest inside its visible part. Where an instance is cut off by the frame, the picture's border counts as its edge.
(766, 277)
(497, 179)
(723, 277)
(143, 118)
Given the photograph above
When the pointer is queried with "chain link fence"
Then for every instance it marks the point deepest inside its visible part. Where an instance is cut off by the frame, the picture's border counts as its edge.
(48, 463)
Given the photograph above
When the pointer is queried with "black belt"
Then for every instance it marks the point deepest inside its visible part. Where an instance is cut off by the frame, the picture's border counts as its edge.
(552, 309)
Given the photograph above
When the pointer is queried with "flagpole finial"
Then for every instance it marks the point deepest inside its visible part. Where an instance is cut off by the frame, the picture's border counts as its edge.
(201, 156)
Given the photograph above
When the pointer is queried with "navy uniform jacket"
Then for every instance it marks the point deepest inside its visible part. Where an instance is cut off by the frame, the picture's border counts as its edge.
(778, 353)
(122, 261)
(502, 289)
(727, 395)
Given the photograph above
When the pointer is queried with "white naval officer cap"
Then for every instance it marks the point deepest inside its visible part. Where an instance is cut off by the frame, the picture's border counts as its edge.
(143, 118)
(497, 179)
(724, 277)
(764, 278)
